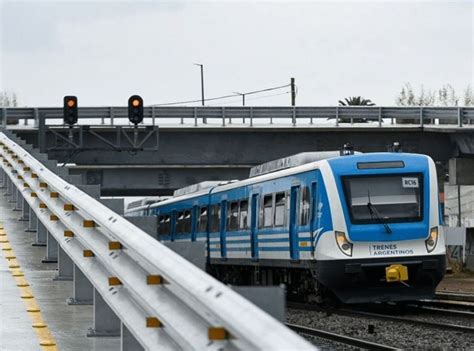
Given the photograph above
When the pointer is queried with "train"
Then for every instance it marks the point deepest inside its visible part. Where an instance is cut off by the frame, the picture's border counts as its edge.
(354, 227)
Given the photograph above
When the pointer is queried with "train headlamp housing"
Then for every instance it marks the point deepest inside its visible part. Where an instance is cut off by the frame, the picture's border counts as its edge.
(344, 245)
(432, 239)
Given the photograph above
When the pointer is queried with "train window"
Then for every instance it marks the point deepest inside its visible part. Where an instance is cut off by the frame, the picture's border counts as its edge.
(202, 225)
(280, 206)
(244, 209)
(215, 218)
(180, 222)
(164, 225)
(233, 216)
(304, 206)
(266, 211)
(187, 221)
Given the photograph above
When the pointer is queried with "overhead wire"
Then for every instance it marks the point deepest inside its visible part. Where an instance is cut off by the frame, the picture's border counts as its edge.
(221, 97)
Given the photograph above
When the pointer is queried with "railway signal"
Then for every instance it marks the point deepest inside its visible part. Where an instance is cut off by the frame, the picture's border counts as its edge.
(70, 111)
(135, 109)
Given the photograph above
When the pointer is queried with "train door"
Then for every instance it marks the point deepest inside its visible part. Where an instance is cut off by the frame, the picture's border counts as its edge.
(294, 253)
(253, 227)
(223, 228)
(313, 210)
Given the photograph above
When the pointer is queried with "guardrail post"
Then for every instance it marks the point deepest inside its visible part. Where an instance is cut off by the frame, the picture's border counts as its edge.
(51, 249)
(25, 210)
(2, 177)
(195, 117)
(7, 187)
(65, 266)
(153, 115)
(4, 118)
(32, 221)
(82, 289)
(19, 200)
(460, 113)
(421, 117)
(41, 234)
(293, 119)
(111, 115)
(223, 116)
(251, 116)
(42, 133)
(36, 117)
(337, 116)
(106, 322)
(128, 341)
(380, 117)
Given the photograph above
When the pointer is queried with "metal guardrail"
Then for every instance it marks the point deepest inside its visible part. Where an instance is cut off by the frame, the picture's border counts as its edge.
(166, 302)
(300, 115)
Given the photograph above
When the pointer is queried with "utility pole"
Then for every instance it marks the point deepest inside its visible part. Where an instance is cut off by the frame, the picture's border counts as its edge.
(243, 97)
(293, 92)
(202, 87)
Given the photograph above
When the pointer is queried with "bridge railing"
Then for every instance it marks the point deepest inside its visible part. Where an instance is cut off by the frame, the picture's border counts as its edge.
(252, 115)
(165, 301)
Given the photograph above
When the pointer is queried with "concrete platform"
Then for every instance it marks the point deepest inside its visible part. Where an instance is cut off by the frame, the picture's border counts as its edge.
(67, 324)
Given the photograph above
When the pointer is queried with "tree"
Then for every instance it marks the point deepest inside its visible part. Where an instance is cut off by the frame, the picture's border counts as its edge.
(408, 97)
(444, 96)
(468, 99)
(8, 99)
(356, 101)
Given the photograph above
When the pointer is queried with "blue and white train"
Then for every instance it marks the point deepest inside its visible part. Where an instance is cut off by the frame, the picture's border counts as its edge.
(362, 227)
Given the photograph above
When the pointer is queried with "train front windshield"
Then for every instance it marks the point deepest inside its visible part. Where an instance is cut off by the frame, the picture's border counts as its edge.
(387, 198)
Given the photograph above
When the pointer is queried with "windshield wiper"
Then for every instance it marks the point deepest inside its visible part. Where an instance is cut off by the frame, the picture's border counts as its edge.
(373, 210)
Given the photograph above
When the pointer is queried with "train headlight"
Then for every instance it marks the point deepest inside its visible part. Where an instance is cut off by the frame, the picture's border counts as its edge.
(344, 245)
(432, 239)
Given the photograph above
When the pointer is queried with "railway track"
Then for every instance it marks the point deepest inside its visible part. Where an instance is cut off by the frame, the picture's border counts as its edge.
(454, 296)
(344, 339)
(381, 316)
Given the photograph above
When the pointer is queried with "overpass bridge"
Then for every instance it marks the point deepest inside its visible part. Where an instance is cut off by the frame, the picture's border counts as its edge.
(178, 146)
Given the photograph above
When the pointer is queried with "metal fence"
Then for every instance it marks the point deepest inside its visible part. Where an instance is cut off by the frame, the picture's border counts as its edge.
(163, 300)
(253, 115)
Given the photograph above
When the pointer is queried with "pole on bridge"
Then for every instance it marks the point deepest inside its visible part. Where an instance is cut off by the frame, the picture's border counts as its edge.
(293, 92)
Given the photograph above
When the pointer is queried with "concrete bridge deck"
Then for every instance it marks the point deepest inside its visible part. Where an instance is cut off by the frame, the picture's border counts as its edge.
(65, 326)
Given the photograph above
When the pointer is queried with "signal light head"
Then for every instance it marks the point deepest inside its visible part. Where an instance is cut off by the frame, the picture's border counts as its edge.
(70, 110)
(135, 109)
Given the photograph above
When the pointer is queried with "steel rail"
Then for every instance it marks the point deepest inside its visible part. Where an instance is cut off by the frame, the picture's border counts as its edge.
(444, 326)
(353, 312)
(348, 340)
(455, 296)
(188, 305)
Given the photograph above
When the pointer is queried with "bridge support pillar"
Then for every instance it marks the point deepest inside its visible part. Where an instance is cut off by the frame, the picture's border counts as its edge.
(51, 249)
(65, 266)
(82, 289)
(106, 322)
(461, 171)
(25, 210)
(128, 341)
(41, 234)
(32, 221)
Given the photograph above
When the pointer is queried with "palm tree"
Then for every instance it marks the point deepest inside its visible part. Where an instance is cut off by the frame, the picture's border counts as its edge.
(355, 101)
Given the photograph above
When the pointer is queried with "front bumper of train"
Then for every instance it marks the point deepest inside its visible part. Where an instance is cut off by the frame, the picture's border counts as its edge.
(364, 280)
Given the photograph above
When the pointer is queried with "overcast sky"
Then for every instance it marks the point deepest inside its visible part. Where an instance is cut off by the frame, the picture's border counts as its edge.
(105, 51)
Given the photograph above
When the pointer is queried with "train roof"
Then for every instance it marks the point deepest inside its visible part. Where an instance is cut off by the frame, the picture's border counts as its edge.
(359, 157)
